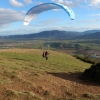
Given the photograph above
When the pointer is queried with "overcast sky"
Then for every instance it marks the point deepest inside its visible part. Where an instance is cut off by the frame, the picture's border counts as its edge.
(12, 13)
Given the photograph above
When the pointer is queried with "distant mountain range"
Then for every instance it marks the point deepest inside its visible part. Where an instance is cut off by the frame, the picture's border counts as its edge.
(56, 34)
(90, 31)
(95, 35)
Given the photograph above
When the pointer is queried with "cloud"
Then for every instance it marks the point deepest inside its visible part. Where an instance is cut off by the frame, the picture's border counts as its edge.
(95, 2)
(95, 14)
(48, 22)
(15, 3)
(66, 2)
(89, 20)
(28, 1)
(8, 16)
(75, 3)
(92, 3)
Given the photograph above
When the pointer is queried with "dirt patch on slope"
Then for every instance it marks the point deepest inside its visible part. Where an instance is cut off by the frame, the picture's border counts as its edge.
(48, 86)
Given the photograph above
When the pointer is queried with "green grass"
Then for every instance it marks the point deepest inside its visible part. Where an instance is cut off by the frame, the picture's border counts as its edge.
(17, 59)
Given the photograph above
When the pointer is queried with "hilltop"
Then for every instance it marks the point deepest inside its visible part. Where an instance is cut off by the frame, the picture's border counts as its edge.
(53, 34)
(25, 75)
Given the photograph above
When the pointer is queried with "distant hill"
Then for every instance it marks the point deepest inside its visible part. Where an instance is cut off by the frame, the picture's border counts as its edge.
(54, 34)
(57, 34)
(89, 36)
(90, 31)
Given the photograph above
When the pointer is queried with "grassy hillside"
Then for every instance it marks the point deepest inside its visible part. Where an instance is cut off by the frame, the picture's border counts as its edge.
(18, 59)
(26, 75)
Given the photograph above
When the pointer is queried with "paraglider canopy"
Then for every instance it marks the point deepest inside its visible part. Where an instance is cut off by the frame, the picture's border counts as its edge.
(34, 11)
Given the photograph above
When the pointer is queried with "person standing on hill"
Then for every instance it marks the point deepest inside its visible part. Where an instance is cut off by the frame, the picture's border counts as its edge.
(45, 54)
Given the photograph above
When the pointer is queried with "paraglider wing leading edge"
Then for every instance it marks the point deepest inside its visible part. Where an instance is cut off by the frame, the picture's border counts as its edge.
(34, 11)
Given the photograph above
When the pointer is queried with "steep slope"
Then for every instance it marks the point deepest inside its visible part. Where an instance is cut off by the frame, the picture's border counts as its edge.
(25, 75)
